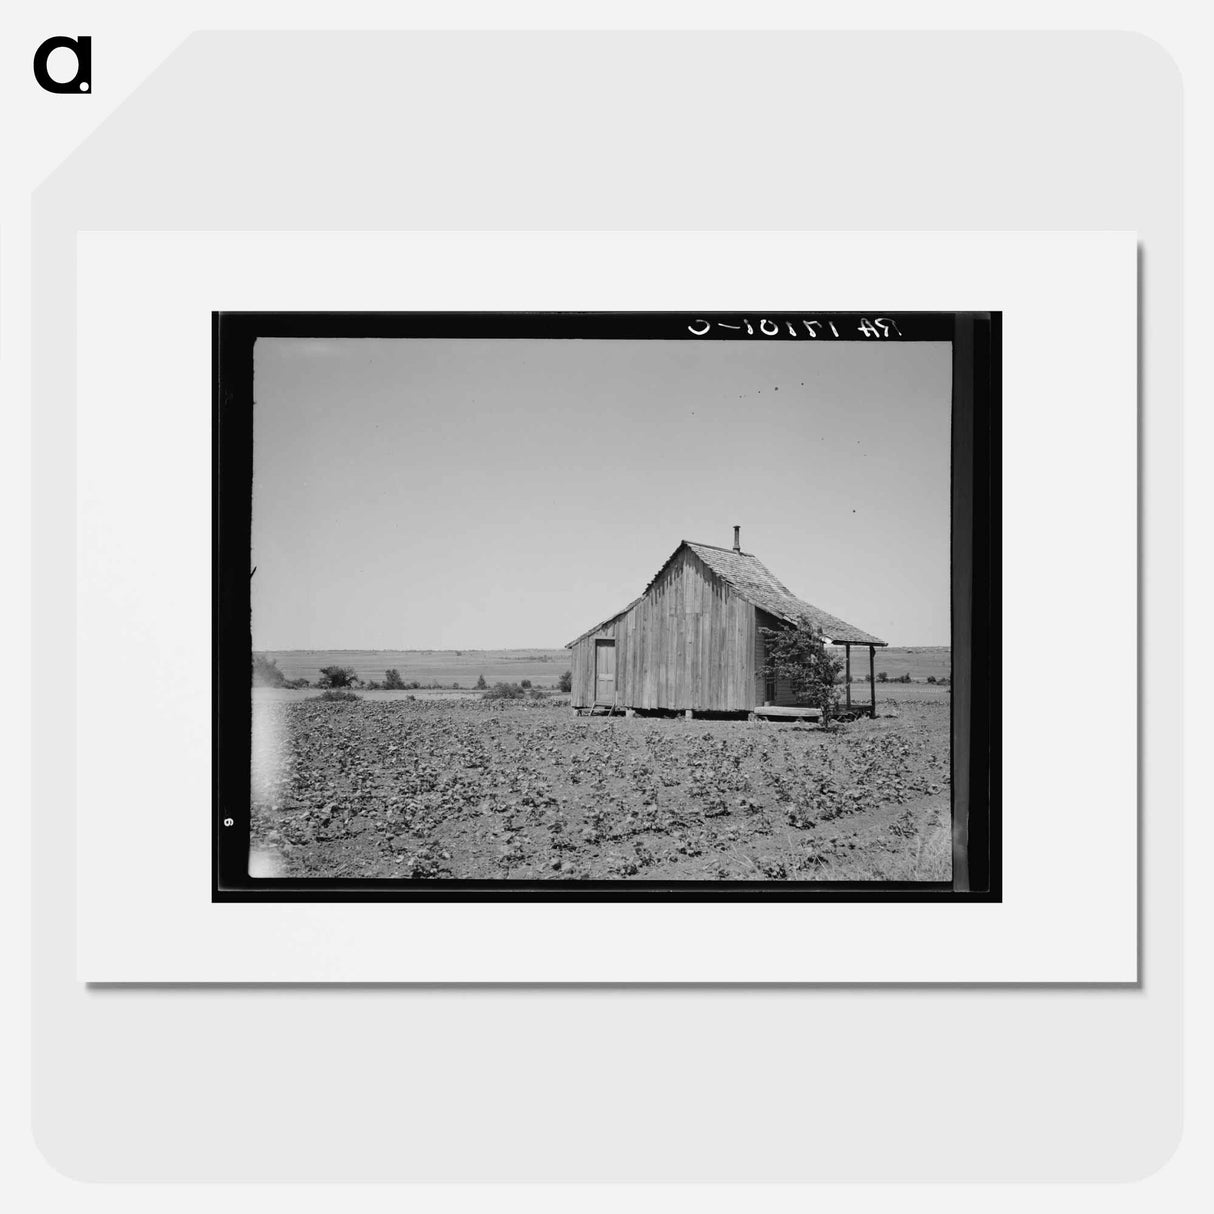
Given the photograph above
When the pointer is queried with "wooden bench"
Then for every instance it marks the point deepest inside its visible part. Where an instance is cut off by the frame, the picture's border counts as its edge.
(784, 714)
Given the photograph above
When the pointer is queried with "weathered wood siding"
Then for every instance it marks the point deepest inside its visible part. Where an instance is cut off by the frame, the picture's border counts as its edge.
(689, 643)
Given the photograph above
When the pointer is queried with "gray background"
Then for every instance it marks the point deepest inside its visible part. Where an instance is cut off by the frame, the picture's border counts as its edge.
(879, 131)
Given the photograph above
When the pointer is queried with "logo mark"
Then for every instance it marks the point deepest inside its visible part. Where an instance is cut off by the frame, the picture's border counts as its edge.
(82, 48)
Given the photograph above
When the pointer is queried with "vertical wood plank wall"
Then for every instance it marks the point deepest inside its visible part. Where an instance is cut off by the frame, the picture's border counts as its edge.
(689, 643)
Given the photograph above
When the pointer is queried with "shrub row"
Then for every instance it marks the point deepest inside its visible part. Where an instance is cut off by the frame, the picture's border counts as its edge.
(267, 674)
(513, 691)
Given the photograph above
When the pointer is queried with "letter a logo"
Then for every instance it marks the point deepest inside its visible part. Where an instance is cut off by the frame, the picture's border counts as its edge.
(82, 48)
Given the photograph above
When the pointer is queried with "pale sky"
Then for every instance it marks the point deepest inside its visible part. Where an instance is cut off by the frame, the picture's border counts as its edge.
(492, 494)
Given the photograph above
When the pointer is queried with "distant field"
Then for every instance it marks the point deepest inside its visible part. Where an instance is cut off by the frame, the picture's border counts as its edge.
(918, 662)
(543, 666)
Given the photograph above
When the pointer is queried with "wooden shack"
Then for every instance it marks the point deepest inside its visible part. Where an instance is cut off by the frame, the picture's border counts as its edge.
(692, 642)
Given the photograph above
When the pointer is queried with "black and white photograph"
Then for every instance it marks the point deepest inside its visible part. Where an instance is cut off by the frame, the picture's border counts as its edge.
(574, 602)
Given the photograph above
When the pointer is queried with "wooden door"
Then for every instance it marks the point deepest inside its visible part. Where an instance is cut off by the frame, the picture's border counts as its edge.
(604, 672)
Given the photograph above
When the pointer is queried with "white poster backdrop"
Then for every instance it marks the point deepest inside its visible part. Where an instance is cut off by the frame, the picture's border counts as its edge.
(143, 584)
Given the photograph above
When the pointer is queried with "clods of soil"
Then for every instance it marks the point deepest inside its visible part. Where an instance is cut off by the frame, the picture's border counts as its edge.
(524, 791)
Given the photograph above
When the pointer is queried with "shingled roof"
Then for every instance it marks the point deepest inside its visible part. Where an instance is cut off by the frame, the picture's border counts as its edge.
(758, 585)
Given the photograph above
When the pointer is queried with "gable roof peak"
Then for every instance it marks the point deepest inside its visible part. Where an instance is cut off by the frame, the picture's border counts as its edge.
(751, 579)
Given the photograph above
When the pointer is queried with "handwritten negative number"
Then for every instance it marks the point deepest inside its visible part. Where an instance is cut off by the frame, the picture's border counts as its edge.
(879, 327)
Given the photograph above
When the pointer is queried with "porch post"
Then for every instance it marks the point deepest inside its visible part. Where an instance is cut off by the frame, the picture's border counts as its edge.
(872, 681)
(847, 672)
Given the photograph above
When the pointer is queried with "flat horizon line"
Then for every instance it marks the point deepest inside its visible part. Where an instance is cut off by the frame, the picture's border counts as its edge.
(495, 649)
